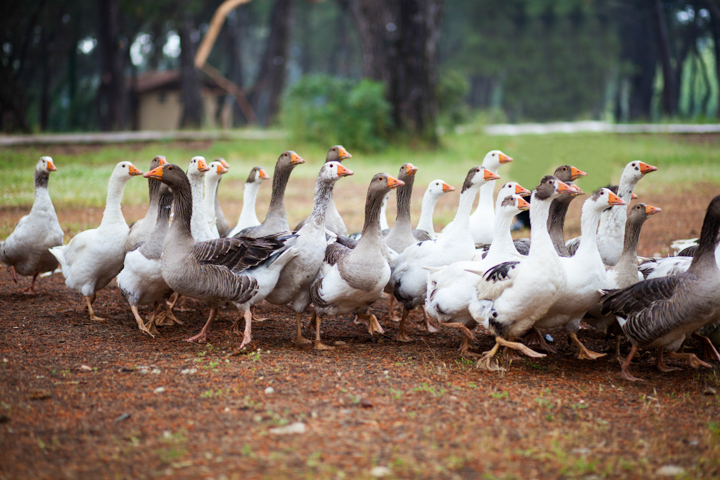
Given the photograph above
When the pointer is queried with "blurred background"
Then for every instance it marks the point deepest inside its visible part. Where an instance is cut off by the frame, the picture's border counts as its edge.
(366, 71)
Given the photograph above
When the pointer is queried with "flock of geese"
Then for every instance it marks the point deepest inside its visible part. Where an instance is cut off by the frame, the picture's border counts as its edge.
(472, 273)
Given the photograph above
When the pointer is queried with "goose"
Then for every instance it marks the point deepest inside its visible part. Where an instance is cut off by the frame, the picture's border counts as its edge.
(585, 273)
(141, 281)
(248, 218)
(94, 257)
(612, 224)
(350, 280)
(402, 235)
(220, 220)
(25, 251)
(241, 270)
(212, 180)
(482, 220)
(450, 289)
(201, 230)
(661, 312)
(409, 277)
(293, 285)
(276, 219)
(140, 230)
(668, 266)
(513, 295)
(333, 221)
(436, 189)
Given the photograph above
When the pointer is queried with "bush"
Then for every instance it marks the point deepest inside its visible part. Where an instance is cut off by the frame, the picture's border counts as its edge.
(331, 110)
(452, 89)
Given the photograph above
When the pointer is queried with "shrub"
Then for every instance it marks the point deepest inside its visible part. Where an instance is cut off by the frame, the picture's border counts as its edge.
(331, 110)
(452, 89)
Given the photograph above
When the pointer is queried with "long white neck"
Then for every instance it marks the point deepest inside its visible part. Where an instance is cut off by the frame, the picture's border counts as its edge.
(540, 242)
(485, 204)
(42, 199)
(198, 225)
(502, 244)
(588, 227)
(113, 211)
(462, 217)
(614, 218)
(426, 215)
(248, 215)
(383, 216)
(211, 185)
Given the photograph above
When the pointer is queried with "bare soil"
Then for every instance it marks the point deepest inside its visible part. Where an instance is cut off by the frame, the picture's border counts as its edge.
(84, 399)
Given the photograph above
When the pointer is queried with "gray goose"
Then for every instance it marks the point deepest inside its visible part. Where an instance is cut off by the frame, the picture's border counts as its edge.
(220, 220)
(333, 220)
(140, 230)
(660, 312)
(240, 271)
(25, 251)
(276, 219)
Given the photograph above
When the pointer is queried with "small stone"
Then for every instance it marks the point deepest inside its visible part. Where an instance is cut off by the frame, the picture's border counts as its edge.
(339, 343)
(40, 395)
(122, 417)
(379, 472)
(85, 368)
(160, 390)
(709, 391)
(227, 409)
(144, 371)
(5, 360)
(581, 451)
(669, 471)
(293, 428)
(365, 403)
(549, 338)
(188, 371)
(269, 390)
(155, 371)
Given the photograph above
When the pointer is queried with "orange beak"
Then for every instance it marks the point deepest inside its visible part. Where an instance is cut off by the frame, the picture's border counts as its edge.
(520, 190)
(447, 188)
(221, 169)
(132, 170)
(263, 174)
(615, 200)
(202, 166)
(645, 168)
(343, 172)
(295, 159)
(633, 196)
(155, 173)
(224, 163)
(51, 166)
(523, 204)
(393, 182)
(563, 187)
(491, 176)
(505, 159)
(576, 173)
(650, 210)
(161, 160)
(410, 169)
(343, 154)
(577, 191)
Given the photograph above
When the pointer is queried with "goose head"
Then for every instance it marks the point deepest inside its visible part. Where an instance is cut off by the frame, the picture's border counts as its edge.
(635, 170)
(512, 205)
(125, 171)
(438, 188)
(330, 172)
(568, 173)
(257, 175)
(216, 169)
(512, 188)
(197, 167)
(171, 175)
(381, 184)
(223, 162)
(407, 170)
(157, 161)
(550, 187)
(494, 158)
(288, 160)
(337, 153)
(45, 165)
(477, 176)
(602, 199)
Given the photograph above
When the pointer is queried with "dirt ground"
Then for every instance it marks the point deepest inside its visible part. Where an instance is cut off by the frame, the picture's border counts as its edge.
(84, 399)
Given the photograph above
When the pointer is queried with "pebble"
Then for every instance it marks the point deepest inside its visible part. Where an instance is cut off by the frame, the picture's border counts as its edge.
(339, 343)
(144, 371)
(160, 390)
(297, 427)
(188, 371)
(122, 417)
(379, 472)
(365, 403)
(269, 390)
(155, 371)
(709, 391)
(669, 471)
(85, 368)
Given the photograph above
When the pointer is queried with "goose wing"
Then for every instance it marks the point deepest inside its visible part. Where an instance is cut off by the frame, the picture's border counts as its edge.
(636, 298)
(238, 253)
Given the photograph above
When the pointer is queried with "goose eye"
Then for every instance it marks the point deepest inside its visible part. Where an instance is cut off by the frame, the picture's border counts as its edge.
(380, 178)
(493, 154)
(123, 165)
(169, 168)
(602, 193)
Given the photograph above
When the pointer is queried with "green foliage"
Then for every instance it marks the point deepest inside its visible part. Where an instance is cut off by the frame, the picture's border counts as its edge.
(451, 92)
(329, 110)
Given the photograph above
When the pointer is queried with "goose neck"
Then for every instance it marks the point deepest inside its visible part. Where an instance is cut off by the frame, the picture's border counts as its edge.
(704, 257)
(183, 208)
(539, 236)
(588, 228)
(426, 214)
(502, 237)
(485, 204)
(371, 227)
(323, 197)
(630, 243)
(113, 210)
(277, 198)
(211, 184)
(249, 197)
(556, 222)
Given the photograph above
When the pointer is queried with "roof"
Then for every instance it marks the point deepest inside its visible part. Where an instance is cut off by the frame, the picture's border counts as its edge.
(166, 80)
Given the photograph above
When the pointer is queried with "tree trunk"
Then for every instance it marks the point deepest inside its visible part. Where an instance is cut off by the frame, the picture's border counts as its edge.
(338, 61)
(13, 103)
(234, 51)
(663, 39)
(45, 87)
(112, 94)
(271, 78)
(715, 29)
(192, 114)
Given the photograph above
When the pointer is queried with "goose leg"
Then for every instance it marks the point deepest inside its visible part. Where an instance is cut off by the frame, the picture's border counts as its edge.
(429, 324)
(167, 317)
(624, 372)
(372, 323)
(13, 274)
(88, 302)
(391, 308)
(583, 352)
(465, 349)
(139, 320)
(519, 347)
(661, 362)
(299, 339)
(485, 362)
(535, 338)
(205, 332)
(255, 317)
(467, 336)
(247, 334)
(402, 336)
(691, 359)
(157, 314)
(31, 288)
(708, 352)
(318, 343)
(510, 355)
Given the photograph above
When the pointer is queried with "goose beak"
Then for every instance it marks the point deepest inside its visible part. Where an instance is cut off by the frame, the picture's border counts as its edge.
(448, 188)
(155, 173)
(504, 158)
(161, 160)
(577, 191)
(133, 171)
(563, 187)
(523, 204)
(650, 210)
(296, 159)
(520, 190)
(221, 170)
(224, 163)
(393, 182)
(576, 173)
(343, 172)
(645, 168)
(633, 196)
(263, 174)
(202, 166)
(491, 176)
(410, 169)
(343, 154)
(51, 166)
(615, 200)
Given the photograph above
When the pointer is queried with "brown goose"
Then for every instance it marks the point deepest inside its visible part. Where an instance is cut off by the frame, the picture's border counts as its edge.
(276, 219)
(220, 220)
(140, 230)
(660, 312)
(333, 220)
(240, 271)
(401, 234)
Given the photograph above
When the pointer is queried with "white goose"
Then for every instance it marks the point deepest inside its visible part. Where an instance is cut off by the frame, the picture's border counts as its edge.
(200, 229)
(212, 179)
(436, 189)
(25, 251)
(248, 217)
(94, 257)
